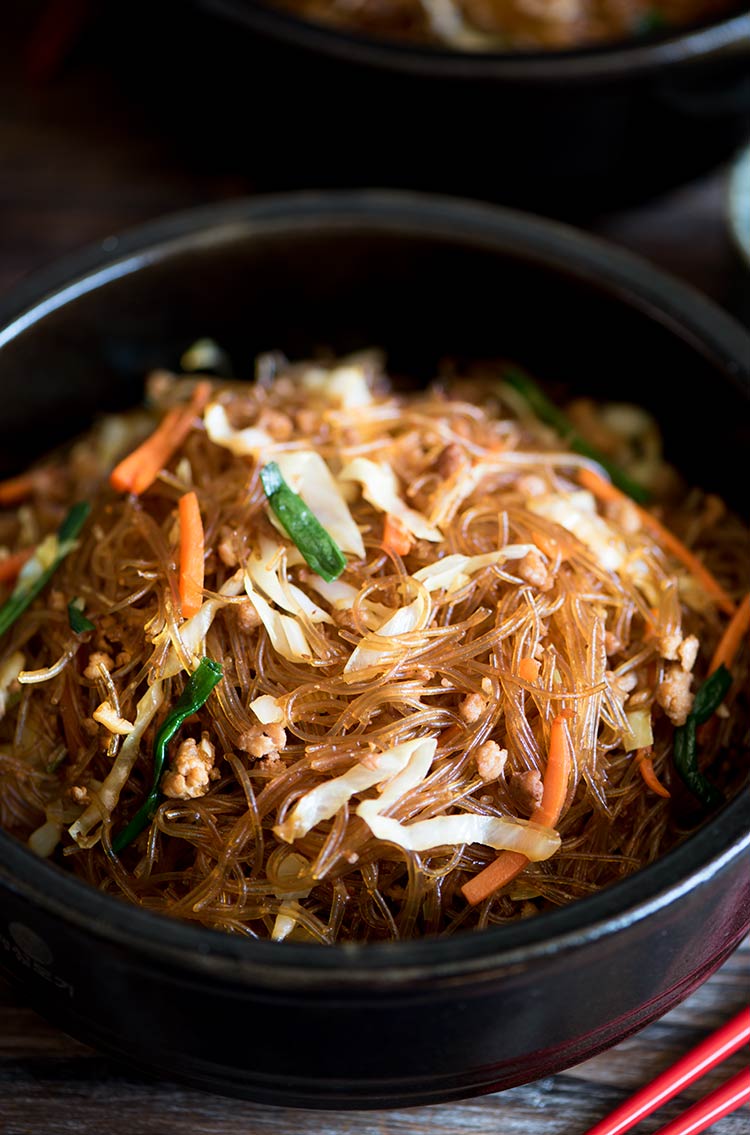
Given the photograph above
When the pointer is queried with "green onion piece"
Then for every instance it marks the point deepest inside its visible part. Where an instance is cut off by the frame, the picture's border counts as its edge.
(707, 700)
(78, 621)
(195, 695)
(320, 551)
(73, 523)
(548, 412)
(711, 694)
(34, 577)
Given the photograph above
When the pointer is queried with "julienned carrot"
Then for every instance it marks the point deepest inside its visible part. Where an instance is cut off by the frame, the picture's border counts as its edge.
(11, 565)
(139, 470)
(192, 555)
(646, 769)
(396, 536)
(556, 774)
(499, 873)
(17, 489)
(729, 644)
(556, 777)
(605, 491)
(528, 669)
(148, 458)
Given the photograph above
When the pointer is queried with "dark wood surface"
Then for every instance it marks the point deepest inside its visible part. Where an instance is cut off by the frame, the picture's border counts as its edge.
(82, 154)
(51, 1085)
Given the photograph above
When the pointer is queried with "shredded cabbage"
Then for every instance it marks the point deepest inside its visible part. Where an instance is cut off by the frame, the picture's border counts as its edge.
(307, 474)
(371, 652)
(345, 385)
(267, 709)
(109, 793)
(324, 801)
(286, 634)
(531, 840)
(263, 569)
(452, 572)
(292, 867)
(576, 512)
(639, 734)
(9, 672)
(249, 442)
(535, 842)
(381, 488)
(342, 595)
(192, 633)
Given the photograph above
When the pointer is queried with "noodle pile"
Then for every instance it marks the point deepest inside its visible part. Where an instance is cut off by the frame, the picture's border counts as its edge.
(375, 739)
(502, 25)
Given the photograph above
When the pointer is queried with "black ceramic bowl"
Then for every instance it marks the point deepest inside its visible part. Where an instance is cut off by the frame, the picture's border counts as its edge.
(567, 133)
(412, 1022)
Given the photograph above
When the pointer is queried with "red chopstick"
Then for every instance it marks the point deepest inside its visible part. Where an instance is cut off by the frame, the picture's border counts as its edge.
(710, 1052)
(711, 1108)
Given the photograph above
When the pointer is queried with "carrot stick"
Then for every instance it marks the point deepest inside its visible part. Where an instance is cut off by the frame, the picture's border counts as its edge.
(646, 769)
(730, 641)
(605, 491)
(498, 874)
(192, 555)
(17, 489)
(11, 565)
(148, 458)
(396, 536)
(139, 470)
(557, 774)
(528, 669)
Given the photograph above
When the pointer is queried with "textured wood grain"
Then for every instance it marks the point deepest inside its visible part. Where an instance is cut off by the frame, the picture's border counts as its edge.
(52, 1085)
(85, 156)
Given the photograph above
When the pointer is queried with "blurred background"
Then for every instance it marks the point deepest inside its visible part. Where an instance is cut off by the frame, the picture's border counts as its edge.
(112, 113)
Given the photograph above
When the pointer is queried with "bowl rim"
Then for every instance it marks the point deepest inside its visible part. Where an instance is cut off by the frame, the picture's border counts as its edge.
(619, 59)
(685, 311)
(738, 204)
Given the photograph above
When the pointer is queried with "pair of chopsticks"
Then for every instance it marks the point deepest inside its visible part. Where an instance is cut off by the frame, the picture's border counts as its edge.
(732, 1094)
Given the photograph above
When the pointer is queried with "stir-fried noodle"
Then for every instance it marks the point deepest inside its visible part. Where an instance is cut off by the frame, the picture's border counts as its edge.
(501, 674)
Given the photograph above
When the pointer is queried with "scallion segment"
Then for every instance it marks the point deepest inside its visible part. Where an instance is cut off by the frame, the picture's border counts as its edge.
(39, 569)
(711, 694)
(79, 624)
(553, 416)
(707, 700)
(195, 695)
(321, 552)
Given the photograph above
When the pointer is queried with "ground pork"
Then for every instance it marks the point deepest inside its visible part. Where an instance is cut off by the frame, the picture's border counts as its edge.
(688, 652)
(674, 696)
(526, 789)
(191, 770)
(97, 658)
(490, 761)
(534, 570)
(262, 740)
(471, 708)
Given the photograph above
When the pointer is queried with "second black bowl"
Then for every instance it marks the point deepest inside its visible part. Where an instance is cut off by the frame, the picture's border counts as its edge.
(568, 133)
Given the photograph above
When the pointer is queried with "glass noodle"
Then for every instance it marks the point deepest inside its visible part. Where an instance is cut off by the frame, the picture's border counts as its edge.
(487, 595)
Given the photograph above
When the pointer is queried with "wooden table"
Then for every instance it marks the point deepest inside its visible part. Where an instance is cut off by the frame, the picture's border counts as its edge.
(81, 157)
(51, 1085)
